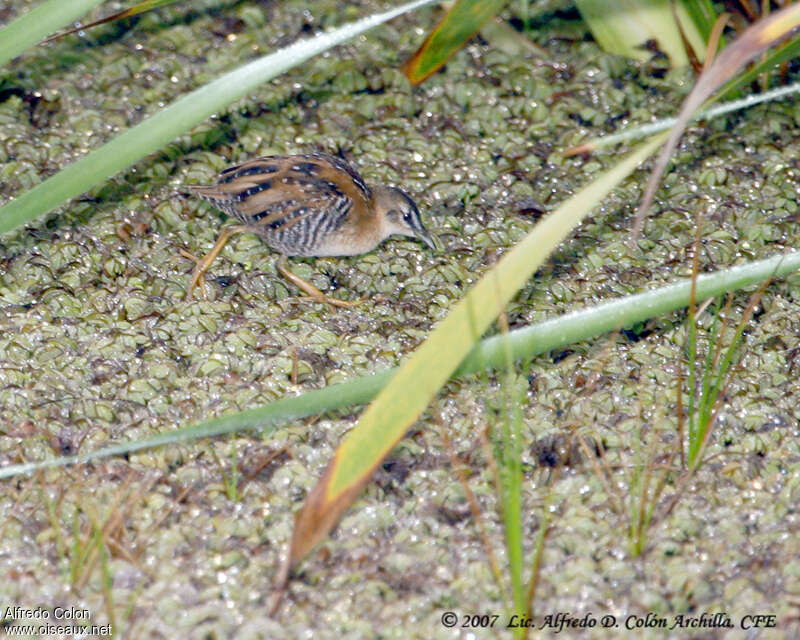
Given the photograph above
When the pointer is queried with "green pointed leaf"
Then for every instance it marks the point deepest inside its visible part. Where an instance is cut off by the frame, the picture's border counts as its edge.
(459, 24)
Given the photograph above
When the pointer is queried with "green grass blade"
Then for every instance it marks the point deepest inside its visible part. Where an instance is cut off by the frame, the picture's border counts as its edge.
(510, 462)
(707, 391)
(38, 23)
(158, 130)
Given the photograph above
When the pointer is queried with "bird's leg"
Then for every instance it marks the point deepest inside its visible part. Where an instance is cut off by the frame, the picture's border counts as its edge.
(310, 289)
(202, 265)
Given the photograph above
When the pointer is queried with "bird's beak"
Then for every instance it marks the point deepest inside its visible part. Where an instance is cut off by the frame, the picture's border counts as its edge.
(431, 240)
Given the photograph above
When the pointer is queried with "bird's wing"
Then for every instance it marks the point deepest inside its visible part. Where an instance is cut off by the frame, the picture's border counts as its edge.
(279, 191)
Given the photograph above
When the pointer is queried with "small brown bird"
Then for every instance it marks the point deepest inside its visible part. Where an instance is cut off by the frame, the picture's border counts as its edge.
(308, 205)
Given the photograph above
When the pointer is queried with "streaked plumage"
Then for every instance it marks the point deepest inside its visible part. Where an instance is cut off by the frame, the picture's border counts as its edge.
(309, 205)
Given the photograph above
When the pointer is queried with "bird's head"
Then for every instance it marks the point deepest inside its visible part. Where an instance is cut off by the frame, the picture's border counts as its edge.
(401, 216)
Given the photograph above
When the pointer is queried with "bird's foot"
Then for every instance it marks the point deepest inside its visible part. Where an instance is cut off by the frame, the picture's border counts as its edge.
(202, 265)
(198, 274)
(313, 293)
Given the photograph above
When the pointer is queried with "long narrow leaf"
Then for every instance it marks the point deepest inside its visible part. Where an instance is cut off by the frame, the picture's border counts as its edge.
(158, 130)
(30, 28)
